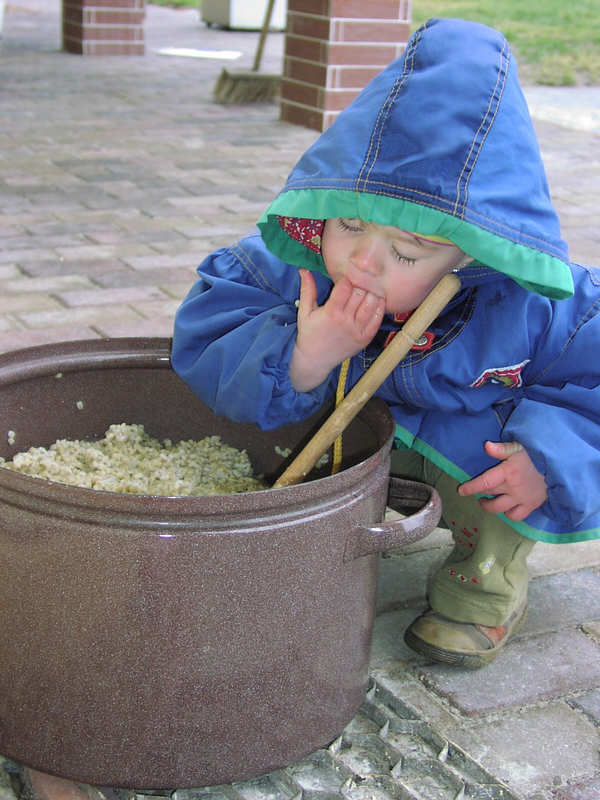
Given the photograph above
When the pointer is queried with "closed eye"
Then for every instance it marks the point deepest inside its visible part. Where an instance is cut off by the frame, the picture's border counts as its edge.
(354, 225)
(358, 226)
(403, 259)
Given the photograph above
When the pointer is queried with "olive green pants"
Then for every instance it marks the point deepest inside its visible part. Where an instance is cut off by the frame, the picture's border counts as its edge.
(484, 579)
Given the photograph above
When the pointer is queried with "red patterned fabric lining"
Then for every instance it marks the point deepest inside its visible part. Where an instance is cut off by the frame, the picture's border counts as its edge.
(306, 231)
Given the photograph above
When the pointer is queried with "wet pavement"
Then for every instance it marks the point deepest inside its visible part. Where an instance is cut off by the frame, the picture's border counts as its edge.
(117, 175)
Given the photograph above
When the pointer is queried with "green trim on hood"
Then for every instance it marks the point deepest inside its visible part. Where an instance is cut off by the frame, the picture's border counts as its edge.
(529, 532)
(530, 267)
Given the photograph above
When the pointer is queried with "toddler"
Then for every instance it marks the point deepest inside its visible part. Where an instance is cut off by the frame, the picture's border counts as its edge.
(434, 168)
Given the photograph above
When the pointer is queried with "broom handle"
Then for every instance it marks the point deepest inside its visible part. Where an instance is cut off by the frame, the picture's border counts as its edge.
(413, 329)
(263, 35)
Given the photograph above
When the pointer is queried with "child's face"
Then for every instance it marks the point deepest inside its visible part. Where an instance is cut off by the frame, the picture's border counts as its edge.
(386, 261)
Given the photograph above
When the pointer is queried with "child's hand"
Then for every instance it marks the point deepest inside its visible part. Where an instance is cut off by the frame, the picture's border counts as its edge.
(328, 334)
(518, 486)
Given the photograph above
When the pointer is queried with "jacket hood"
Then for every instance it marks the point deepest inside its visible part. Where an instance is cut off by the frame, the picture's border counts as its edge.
(439, 143)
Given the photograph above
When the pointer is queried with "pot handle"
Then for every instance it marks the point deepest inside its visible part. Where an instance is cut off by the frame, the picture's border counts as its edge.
(403, 496)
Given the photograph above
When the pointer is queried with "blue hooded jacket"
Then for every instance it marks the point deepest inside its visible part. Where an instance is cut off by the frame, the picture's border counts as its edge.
(439, 143)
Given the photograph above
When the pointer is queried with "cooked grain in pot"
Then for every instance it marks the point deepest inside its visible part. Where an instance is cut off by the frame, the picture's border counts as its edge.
(128, 460)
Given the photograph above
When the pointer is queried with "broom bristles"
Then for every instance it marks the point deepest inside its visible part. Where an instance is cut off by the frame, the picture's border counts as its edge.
(246, 87)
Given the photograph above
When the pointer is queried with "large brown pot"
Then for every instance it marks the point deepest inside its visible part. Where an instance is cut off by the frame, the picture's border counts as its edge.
(181, 641)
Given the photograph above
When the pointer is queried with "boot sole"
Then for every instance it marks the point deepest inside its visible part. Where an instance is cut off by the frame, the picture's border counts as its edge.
(473, 660)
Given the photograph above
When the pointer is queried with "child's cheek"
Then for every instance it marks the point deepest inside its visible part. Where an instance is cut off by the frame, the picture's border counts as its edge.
(334, 269)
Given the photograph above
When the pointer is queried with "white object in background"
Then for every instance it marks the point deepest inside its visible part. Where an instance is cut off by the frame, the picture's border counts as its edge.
(190, 52)
(1, 16)
(243, 14)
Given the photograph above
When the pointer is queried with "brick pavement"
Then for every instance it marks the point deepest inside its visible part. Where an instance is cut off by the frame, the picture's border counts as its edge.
(117, 176)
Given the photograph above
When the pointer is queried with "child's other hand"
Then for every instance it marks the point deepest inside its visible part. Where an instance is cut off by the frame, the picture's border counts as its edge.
(518, 486)
(328, 334)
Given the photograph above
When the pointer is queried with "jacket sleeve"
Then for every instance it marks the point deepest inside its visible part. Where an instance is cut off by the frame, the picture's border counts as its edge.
(233, 338)
(558, 418)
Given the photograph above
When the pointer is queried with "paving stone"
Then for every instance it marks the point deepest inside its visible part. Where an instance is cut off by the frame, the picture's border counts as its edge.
(59, 266)
(216, 242)
(178, 289)
(158, 326)
(89, 252)
(67, 199)
(588, 703)
(528, 670)
(24, 242)
(48, 285)
(567, 598)
(159, 308)
(8, 323)
(388, 631)
(135, 295)
(54, 228)
(154, 237)
(527, 751)
(588, 790)
(126, 217)
(403, 577)
(76, 316)
(549, 558)
(593, 630)
(225, 203)
(25, 302)
(16, 340)
(8, 232)
(10, 272)
(161, 261)
(24, 256)
(129, 277)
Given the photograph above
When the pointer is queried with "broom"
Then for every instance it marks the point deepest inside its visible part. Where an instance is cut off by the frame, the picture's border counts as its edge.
(249, 87)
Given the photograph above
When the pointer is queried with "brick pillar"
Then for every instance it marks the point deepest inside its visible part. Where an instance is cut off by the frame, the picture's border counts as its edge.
(332, 50)
(103, 27)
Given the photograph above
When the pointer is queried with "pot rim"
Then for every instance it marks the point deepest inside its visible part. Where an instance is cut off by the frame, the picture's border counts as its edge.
(133, 352)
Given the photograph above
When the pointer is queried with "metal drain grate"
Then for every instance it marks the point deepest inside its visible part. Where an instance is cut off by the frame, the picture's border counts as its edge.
(385, 753)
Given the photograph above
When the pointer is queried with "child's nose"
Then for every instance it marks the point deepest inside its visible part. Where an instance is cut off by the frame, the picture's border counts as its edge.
(366, 256)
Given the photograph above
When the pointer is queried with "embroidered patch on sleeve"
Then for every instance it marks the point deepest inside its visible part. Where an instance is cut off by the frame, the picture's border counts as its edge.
(507, 376)
(423, 343)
